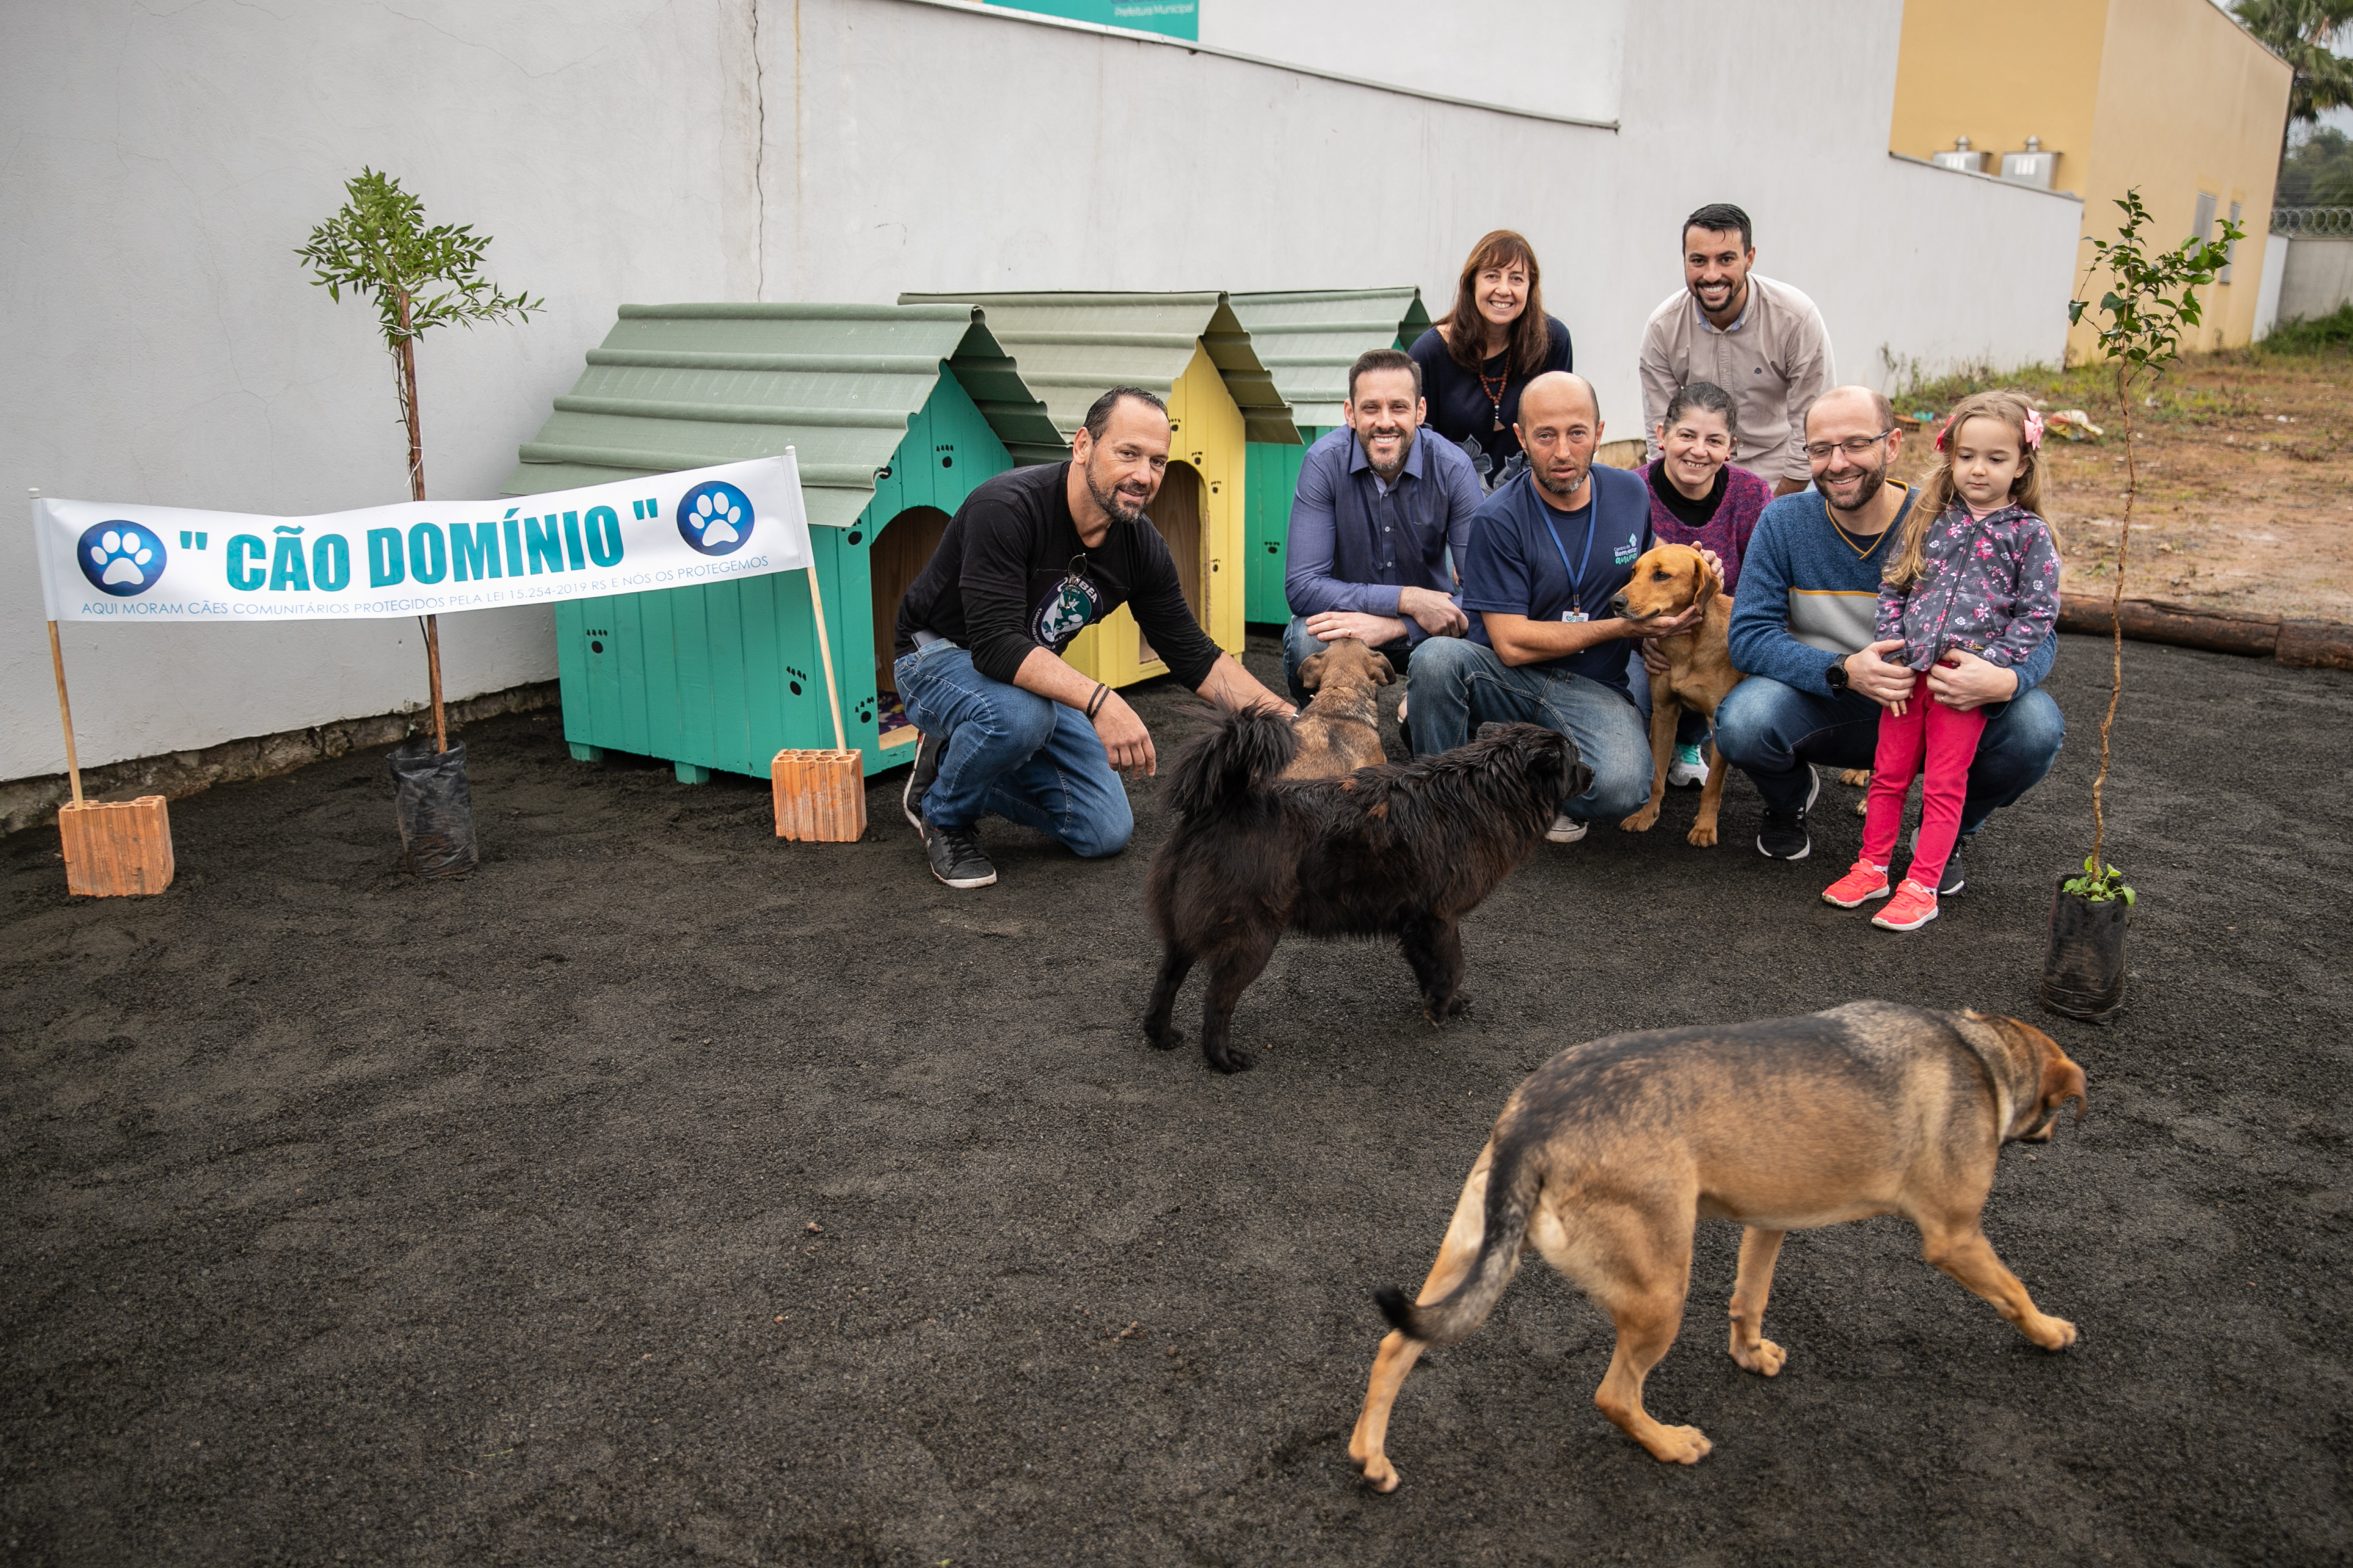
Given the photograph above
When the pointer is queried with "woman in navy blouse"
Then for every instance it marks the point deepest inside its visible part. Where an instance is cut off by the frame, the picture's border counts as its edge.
(1495, 341)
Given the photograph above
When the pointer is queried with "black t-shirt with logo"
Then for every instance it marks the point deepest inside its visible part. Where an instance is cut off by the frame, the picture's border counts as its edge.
(1010, 575)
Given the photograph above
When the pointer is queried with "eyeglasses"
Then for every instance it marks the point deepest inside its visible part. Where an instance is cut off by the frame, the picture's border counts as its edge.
(1853, 447)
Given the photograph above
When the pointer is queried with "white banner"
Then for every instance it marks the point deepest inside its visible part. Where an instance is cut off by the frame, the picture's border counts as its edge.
(103, 561)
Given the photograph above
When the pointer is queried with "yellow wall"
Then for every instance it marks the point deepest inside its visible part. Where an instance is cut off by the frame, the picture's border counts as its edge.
(1207, 427)
(2170, 96)
(2189, 103)
(1998, 71)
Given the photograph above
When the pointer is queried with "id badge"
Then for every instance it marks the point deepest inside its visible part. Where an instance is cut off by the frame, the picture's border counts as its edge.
(1573, 616)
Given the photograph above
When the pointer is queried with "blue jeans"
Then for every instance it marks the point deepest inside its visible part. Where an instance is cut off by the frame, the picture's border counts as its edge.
(1025, 757)
(1774, 732)
(1300, 645)
(1457, 685)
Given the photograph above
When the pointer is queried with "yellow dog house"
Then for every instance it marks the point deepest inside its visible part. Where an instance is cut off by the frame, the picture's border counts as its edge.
(1071, 349)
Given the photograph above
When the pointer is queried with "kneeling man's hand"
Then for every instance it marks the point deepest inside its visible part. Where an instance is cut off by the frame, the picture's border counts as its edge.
(1373, 631)
(1433, 612)
(1125, 739)
(1961, 681)
(1870, 673)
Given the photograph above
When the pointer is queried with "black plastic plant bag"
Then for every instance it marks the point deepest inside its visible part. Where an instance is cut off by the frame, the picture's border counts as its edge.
(2083, 969)
(436, 808)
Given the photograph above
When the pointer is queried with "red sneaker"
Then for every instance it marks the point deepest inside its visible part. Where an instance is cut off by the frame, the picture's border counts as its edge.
(1912, 907)
(1863, 882)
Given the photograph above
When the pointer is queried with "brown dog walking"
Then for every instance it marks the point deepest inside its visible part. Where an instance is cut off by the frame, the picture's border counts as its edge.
(1608, 1156)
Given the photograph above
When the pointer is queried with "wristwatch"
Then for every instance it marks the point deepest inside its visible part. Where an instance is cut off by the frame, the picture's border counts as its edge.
(1835, 676)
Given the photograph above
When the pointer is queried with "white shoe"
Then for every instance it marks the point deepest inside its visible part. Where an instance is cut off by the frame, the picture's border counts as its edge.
(1565, 829)
(1688, 768)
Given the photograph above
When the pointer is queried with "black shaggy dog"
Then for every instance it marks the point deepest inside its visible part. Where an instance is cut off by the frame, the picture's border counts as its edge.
(1404, 850)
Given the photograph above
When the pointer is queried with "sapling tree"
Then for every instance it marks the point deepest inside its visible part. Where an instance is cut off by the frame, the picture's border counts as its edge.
(379, 246)
(2150, 299)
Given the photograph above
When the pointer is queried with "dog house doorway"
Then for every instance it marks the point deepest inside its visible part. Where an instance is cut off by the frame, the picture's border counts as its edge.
(901, 551)
(1180, 511)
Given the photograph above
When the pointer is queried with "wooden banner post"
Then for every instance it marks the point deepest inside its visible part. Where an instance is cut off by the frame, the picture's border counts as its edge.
(821, 796)
(113, 848)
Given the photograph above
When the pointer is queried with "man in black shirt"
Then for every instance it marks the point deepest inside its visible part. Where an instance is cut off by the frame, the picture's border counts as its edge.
(1029, 560)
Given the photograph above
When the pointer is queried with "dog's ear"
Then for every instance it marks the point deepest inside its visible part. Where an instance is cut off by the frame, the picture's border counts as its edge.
(1383, 671)
(1311, 671)
(2062, 1080)
(1710, 583)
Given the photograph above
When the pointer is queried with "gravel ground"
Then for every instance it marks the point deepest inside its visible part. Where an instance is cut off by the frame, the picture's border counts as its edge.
(666, 1189)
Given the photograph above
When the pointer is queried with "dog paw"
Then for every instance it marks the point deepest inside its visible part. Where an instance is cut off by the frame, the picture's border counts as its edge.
(1448, 1010)
(1764, 1358)
(1678, 1445)
(1163, 1039)
(2051, 1333)
(1859, 778)
(1701, 836)
(1230, 1061)
(1641, 820)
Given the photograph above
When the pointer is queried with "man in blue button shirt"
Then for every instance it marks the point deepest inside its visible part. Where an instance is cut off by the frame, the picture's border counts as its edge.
(1548, 552)
(1374, 515)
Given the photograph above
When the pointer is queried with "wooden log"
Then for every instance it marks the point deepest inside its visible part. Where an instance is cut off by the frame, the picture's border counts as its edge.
(2183, 626)
(821, 796)
(116, 849)
(2307, 644)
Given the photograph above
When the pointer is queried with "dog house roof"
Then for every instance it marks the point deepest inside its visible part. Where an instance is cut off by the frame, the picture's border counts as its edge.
(1075, 347)
(685, 386)
(1307, 339)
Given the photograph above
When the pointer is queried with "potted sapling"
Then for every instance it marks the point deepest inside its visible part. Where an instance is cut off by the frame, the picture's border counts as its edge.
(2151, 297)
(379, 246)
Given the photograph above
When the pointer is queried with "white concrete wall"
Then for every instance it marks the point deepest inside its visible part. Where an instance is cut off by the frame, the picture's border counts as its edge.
(2317, 277)
(163, 167)
(163, 346)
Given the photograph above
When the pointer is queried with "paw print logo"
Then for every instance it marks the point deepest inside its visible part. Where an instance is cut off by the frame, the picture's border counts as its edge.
(120, 558)
(715, 518)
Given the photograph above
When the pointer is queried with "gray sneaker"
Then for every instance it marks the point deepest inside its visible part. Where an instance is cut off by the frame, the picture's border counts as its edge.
(955, 857)
(921, 777)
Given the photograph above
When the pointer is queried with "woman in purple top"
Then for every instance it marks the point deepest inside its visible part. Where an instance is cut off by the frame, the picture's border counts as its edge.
(1974, 569)
(1699, 499)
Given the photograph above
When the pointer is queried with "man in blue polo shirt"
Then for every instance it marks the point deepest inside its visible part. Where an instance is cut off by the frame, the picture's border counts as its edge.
(1548, 552)
(1372, 520)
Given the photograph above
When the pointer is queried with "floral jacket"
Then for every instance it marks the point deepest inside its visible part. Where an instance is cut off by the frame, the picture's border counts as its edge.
(1987, 584)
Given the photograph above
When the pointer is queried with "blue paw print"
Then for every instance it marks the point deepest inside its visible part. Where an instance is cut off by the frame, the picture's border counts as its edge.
(120, 558)
(715, 518)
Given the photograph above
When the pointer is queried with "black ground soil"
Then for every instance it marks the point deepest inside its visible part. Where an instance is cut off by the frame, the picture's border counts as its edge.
(667, 1191)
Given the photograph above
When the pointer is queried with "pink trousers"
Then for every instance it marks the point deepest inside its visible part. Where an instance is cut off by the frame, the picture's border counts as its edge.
(1947, 740)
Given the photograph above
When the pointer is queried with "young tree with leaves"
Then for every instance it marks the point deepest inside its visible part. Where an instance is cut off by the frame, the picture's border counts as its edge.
(420, 278)
(2150, 299)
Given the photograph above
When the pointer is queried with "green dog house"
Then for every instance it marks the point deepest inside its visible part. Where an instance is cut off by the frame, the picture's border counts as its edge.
(1307, 340)
(895, 414)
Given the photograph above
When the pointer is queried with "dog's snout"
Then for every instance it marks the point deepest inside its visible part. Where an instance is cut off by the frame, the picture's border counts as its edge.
(1619, 608)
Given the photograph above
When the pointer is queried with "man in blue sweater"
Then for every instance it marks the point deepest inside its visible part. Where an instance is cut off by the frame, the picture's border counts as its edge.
(1802, 632)
(1549, 550)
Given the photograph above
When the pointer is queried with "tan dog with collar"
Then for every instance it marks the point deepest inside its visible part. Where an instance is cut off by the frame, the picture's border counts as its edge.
(1608, 1156)
(1339, 731)
(1668, 579)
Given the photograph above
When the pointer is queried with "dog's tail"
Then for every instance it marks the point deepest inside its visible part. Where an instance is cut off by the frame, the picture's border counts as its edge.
(1513, 1182)
(1216, 772)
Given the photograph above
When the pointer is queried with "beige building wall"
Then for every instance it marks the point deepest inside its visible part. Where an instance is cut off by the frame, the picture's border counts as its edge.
(2168, 96)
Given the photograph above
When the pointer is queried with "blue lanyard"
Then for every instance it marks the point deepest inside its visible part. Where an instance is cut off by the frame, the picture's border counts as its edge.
(1577, 573)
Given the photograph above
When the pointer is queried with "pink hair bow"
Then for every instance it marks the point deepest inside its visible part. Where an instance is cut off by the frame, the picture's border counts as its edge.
(2033, 429)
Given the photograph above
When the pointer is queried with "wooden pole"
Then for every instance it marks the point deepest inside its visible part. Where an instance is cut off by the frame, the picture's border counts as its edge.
(65, 712)
(825, 653)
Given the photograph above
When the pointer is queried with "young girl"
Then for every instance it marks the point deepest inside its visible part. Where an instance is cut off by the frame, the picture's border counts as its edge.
(1974, 569)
